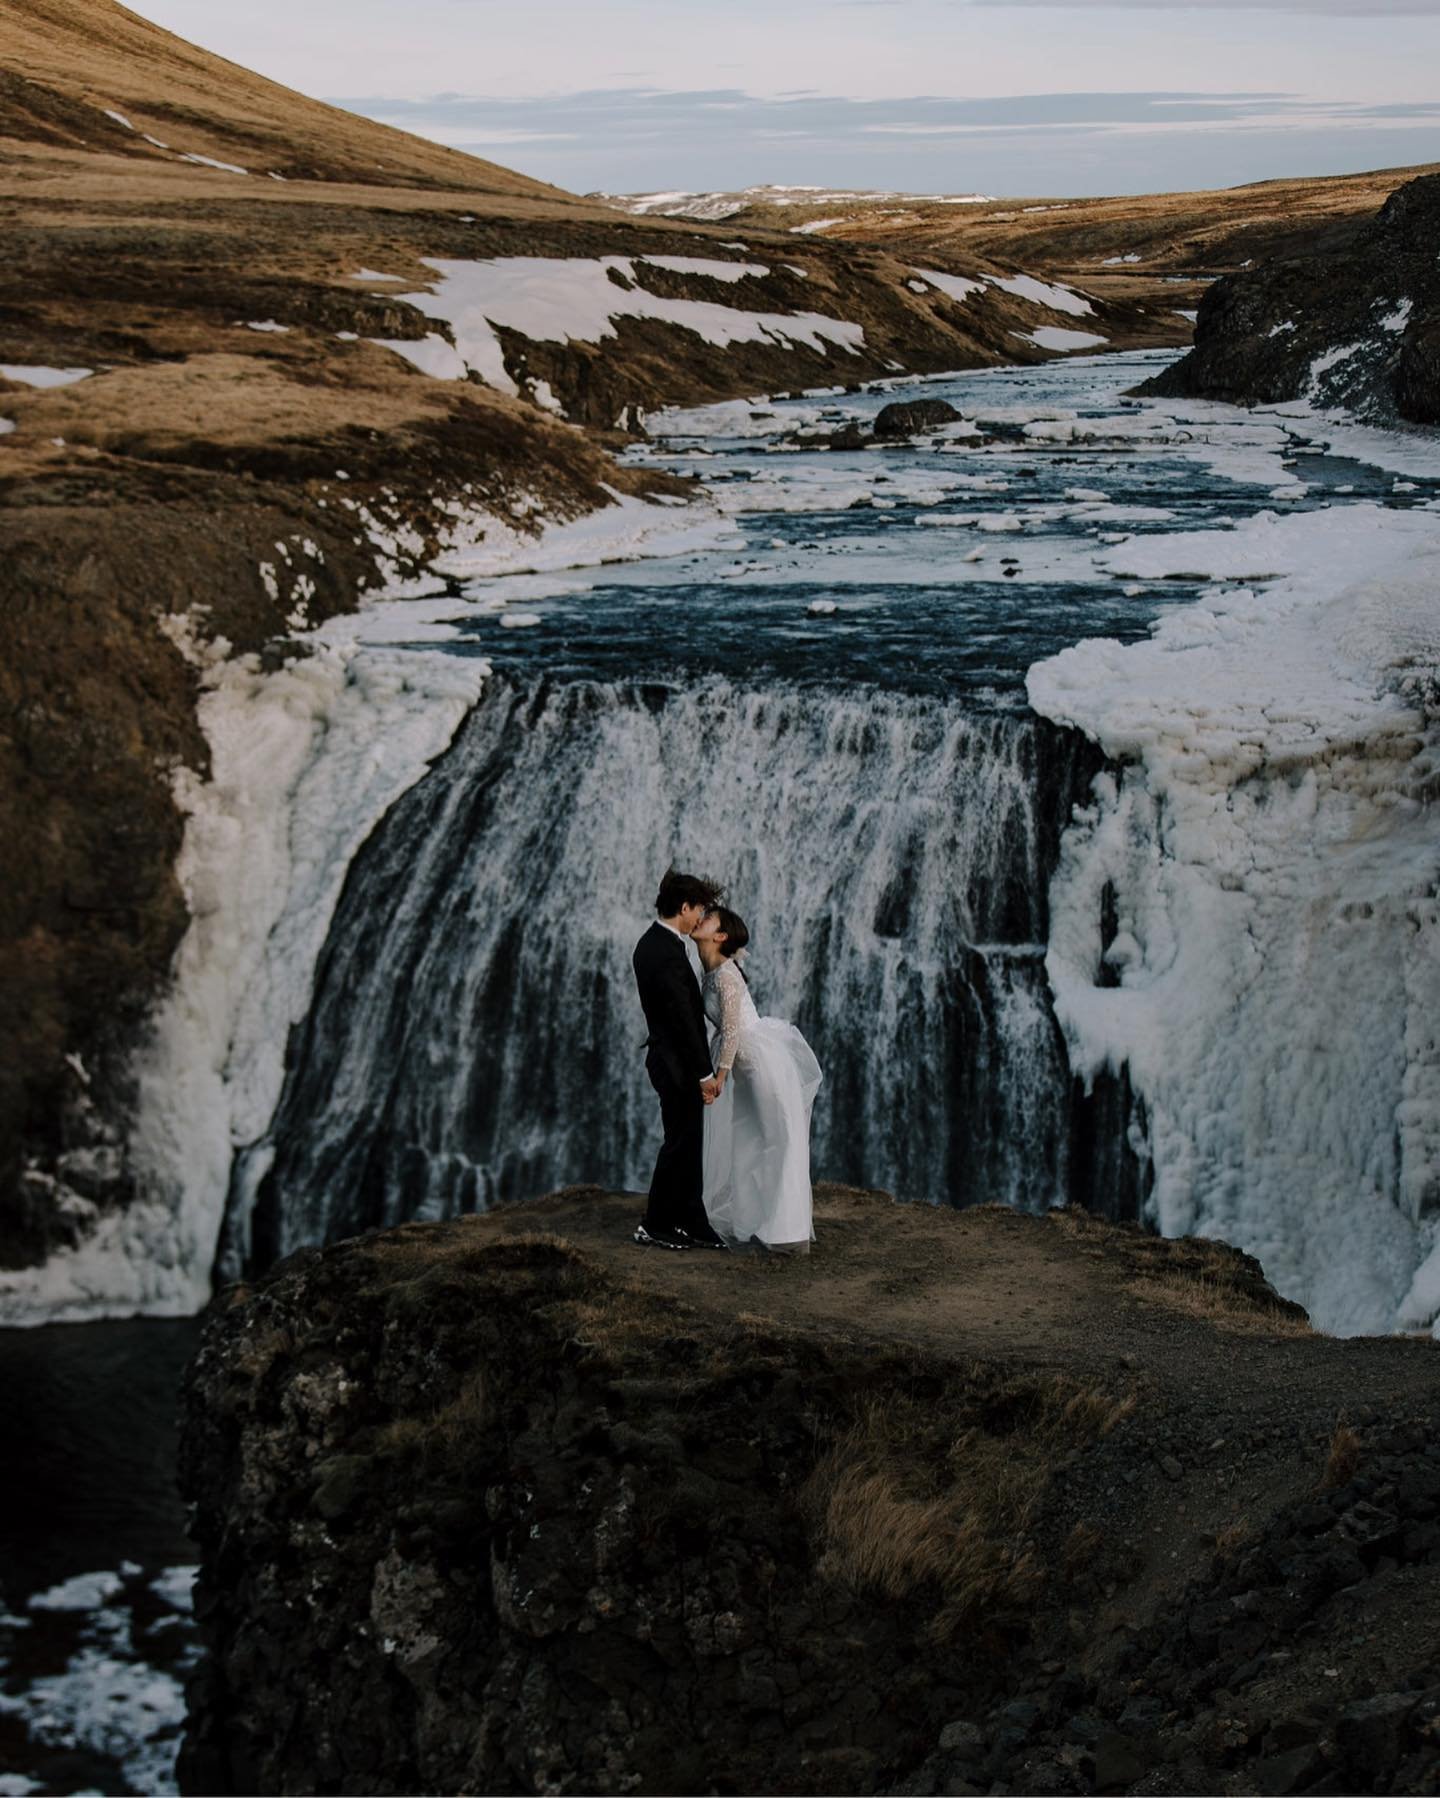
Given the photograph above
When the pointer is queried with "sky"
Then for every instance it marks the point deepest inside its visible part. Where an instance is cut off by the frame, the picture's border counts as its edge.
(1004, 97)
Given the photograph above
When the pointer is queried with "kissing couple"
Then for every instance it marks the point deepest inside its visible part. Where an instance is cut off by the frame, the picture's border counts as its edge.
(736, 1090)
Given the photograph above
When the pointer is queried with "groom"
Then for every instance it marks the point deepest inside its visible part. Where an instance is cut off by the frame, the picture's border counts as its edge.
(678, 1063)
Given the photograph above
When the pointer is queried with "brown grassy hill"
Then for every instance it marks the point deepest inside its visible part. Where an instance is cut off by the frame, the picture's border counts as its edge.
(70, 65)
(1170, 243)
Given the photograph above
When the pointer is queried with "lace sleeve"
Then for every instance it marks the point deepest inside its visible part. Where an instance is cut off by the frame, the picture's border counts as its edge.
(730, 986)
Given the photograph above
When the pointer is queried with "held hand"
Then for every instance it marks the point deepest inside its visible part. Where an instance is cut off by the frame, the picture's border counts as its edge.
(710, 1090)
(720, 1080)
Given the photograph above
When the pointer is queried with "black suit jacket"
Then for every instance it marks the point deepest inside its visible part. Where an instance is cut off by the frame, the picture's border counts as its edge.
(674, 1010)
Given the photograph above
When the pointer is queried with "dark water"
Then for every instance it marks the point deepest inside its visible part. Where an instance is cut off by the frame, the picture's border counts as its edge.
(96, 1636)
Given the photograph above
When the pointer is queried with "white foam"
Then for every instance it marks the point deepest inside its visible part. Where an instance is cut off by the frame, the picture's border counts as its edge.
(82, 1592)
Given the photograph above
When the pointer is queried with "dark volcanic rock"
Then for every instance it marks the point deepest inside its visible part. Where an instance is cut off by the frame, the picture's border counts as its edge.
(486, 1509)
(906, 418)
(1357, 327)
(482, 1520)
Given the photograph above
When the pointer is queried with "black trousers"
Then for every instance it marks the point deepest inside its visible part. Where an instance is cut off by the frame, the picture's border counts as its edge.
(678, 1186)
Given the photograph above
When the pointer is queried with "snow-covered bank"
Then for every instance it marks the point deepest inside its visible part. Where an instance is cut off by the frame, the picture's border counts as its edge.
(305, 760)
(1274, 857)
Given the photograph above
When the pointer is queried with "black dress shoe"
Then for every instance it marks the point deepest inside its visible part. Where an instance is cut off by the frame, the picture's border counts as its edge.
(712, 1241)
(662, 1239)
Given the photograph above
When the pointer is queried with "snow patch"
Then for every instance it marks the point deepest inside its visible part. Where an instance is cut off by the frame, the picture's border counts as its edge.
(209, 162)
(31, 374)
(957, 287)
(706, 265)
(1055, 337)
(572, 299)
(432, 354)
(1044, 293)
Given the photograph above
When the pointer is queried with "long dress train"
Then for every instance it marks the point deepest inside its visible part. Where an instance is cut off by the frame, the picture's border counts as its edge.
(757, 1133)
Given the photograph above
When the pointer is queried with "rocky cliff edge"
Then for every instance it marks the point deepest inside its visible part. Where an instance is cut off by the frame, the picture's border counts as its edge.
(961, 1502)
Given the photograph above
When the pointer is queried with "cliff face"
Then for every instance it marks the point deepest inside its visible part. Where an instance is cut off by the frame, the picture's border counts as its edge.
(1355, 326)
(506, 1505)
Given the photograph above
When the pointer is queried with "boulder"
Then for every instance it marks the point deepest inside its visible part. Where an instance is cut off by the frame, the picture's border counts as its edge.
(908, 418)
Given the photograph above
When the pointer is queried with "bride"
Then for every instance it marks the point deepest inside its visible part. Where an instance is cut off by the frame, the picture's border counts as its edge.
(757, 1132)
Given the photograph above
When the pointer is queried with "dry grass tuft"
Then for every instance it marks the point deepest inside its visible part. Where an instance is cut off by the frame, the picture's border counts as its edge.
(1215, 1299)
(904, 1503)
(438, 1434)
(1081, 1547)
(1342, 1459)
(1230, 1540)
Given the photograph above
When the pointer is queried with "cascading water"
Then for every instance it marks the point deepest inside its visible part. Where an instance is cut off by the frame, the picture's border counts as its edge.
(474, 1033)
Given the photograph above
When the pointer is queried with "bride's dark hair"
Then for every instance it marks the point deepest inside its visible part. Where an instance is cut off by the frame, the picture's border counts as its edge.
(736, 935)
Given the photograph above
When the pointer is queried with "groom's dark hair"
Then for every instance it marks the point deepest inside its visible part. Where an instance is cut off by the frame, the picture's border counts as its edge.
(685, 889)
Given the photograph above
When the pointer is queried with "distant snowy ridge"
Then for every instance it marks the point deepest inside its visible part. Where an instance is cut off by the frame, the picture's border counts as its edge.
(1275, 870)
(716, 205)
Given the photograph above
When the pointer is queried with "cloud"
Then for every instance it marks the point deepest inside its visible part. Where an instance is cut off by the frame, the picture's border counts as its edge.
(638, 139)
(615, 113)
(1335, 9)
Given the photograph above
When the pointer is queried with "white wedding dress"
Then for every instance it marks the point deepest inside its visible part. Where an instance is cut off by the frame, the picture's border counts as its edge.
(757, 1133)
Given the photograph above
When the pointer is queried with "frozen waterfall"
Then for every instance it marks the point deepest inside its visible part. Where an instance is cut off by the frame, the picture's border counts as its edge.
(474, 1034)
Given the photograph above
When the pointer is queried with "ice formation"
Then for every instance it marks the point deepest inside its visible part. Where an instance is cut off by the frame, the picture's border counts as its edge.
(1272, 853)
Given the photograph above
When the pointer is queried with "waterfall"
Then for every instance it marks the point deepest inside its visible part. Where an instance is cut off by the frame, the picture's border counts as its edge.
(474, 1034)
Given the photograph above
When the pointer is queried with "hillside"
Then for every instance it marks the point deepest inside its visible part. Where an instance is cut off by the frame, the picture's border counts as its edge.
(259, 359)
(1354, 327)
(960, 1502)
(1157, 251)
(85, 76)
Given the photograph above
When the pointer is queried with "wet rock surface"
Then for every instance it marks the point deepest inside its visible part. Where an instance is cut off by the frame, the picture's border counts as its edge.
(505, 1505)
(906, 418)
(1353, 325)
